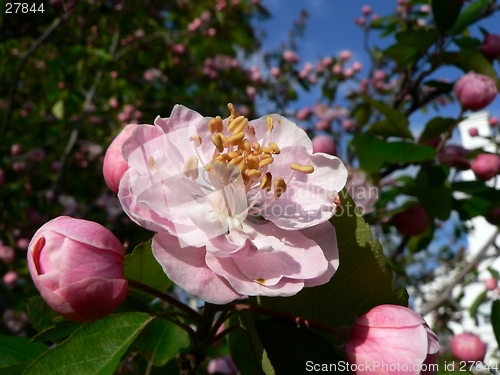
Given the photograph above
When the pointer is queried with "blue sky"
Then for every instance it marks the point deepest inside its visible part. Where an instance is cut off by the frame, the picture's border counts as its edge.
(330, 29)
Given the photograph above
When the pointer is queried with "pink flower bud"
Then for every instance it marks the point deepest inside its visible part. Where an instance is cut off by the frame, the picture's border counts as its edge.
(412, 222)
(473, 132)
(349, 125)
(77, 266)
(395, 336)
(491, 46)
(467, 347)
(290, 56)
(475, 91)
(486, 166)
(493, 121)
(323, 125)
(375, 17)
(348, 72)
(490, 283)
(325, 144)
(357, 66)
(222, 365)
(337, 69)
(115, 166)
(425, 8)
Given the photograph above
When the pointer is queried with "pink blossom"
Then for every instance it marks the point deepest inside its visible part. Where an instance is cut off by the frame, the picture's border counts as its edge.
(113, 74)
(348, 72)
(251, 91)
(366, 10)
(19, 166)
(22, 243)
(205, 16)
(77, 266)
(303, 114)
(337, 69)
(113, 103)
(491, 283)
(324, 112)
(225, 212)
(290, 56)
(467, 347)
(425, 8)
(151, 74)
(306, 70)
(486, 166)
(491, 46)
(195, 25)
(395, 336)
(475, 91)
(6, 253)
(221, 4)
(275, 71)
(324, 143)
(349, 125)
(10, 278)
(16, 149)
(345, 55)
(493, 121)
(223, 366)
(357, 66)
(360, 21)
(473, 132)
(139, 33)
(375, 17)
(114, 166)
(211, 32)
(179, 48)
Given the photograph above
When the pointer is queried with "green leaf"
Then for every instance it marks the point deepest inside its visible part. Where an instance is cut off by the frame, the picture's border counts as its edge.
(162, 341)
(17, 352)
(245, 347)
(396, 123)
(494, 273)
(421, 39)
(58, 109)
(95, 349)
(445, 13)
(362, 273)
(478, 301)
(362, 113)
(467, 43)
(373, 153)
(62, 329)
(142, 266)
(436, 127)
(433, 192)
(422, 241)
(41, 315)
(468, 16)
(471, 60)
(495, 319)
(295, 350)
(402, 54)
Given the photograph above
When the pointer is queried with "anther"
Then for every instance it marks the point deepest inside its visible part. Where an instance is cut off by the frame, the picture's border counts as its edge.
(236, 138)
(233, 110)
(152, 164)
(279, 187)
(256, 146)
(274, 147)
(266, 182)
(302, 168)
(265, 156)
(196, 139)
(238, 124)
(191, 167)
(252, 162)
(236, 160)
(217, 141)
(253, 172)
(215, 125)
(224, 140)
(265, 162)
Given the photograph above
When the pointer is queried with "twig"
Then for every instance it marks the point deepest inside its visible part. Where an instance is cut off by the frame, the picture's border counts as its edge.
(445, 294)
(167, 298)
(55, 24)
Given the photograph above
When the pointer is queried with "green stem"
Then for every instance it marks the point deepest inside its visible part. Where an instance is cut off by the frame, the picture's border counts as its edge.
(167, 298)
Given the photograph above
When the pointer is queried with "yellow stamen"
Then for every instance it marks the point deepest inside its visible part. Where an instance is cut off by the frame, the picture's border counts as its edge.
(274, 147)
(152, 164)
(279, 187)
(265, 162)
(253, 172)
(236, 138)
(196, 139)
(260, 281)
(257, 152)
(236, 160)
(217, 141)
(302, 168)
(266, 182)
(225, 142)
(238, 124)
(265, 156)
(256, 146)
(253, 162)
(233, 110)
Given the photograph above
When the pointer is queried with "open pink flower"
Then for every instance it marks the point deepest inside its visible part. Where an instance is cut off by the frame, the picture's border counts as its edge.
(396, 339)
(240, 208)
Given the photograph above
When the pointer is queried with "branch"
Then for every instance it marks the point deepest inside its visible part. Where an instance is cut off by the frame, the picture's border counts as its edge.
(55, 24)
(445, 294)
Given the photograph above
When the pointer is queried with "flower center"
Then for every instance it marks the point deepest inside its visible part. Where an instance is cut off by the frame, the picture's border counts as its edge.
(236, 158)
